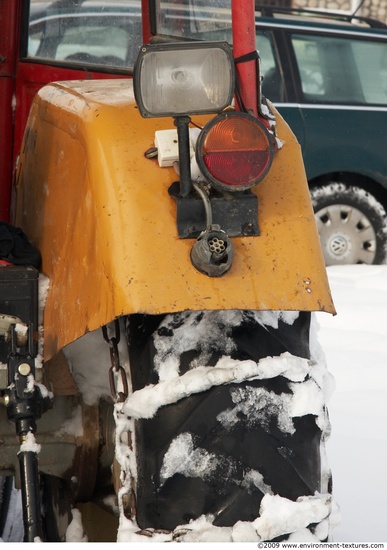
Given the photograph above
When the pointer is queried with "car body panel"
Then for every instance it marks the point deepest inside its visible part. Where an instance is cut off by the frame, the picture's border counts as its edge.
(358, 153)
(336, 137)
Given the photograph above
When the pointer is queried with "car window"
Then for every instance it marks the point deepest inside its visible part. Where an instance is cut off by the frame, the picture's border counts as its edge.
(97, 42)
(341, 70)
(81, 31)
(211, 20)
(272, 82)
(371, 61)
(203, 20)
(309, 65)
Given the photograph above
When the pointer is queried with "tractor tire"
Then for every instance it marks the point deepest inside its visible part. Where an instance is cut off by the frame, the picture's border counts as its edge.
(352, 224)
(218, 452)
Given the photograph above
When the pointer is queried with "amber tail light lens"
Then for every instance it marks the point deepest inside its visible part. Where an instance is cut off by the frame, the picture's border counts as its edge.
(234, 151)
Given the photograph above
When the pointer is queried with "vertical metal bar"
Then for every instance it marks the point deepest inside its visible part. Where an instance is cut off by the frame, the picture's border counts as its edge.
(148, 18)
(30, 490)
(244, 42)
(182, 123)
(10, 18)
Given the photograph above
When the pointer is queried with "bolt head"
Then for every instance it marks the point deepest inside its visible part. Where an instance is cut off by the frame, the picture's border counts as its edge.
(24, 369)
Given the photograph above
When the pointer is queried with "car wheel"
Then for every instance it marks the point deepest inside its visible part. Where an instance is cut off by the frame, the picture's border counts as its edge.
(352, 224)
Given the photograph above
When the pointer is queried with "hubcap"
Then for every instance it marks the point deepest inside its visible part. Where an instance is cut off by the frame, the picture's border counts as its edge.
(339, 245)
(346, 234)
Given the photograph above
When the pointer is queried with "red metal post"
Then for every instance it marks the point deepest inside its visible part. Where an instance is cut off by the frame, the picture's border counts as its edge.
(146, 30)
(9, 25)
(243, 29)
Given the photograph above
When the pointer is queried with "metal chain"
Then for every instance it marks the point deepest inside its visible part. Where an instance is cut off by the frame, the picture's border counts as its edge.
(111, 334)
(116, 370)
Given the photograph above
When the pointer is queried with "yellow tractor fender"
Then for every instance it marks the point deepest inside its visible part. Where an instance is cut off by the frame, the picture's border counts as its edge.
(100, 214)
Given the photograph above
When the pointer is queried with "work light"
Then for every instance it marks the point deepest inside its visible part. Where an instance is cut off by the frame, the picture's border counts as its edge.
(183, 78)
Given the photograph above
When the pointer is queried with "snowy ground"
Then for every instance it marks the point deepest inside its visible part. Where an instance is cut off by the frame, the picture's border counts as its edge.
(355, 344)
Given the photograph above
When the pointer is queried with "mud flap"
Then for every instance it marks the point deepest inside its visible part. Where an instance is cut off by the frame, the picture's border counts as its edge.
(219, 451)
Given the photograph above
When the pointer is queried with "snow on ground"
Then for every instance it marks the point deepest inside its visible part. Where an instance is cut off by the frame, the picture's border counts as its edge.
(355, 345)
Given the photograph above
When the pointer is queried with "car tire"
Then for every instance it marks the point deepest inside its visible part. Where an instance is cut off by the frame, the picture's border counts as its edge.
(352, 224)
(211, 473)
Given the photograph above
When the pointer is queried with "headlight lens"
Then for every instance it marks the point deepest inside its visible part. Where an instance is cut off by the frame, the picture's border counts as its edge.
(184, 79)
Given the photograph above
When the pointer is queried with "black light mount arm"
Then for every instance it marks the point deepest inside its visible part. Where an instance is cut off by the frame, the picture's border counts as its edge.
(182, 125)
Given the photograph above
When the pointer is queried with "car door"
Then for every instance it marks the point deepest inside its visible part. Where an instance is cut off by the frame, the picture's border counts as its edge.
(278, 76)
(341, 86)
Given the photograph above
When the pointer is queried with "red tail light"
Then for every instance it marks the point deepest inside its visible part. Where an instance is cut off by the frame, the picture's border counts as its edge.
(234, 151)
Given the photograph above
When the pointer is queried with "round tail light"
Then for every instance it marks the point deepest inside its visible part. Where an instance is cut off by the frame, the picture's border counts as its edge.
(234, 151)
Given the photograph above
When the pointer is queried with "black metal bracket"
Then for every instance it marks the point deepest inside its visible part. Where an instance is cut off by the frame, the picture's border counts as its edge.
(235, 213)
(182, 125)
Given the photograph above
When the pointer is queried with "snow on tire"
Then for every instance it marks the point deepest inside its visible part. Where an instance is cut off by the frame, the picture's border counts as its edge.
(230, 426)
(352, 224)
